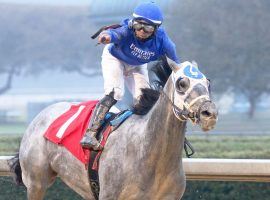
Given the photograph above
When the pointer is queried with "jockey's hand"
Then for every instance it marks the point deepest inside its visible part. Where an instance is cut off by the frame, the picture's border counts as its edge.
(104, 39)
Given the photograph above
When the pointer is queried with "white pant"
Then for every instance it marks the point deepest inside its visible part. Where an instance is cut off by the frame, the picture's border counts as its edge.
(117, 73)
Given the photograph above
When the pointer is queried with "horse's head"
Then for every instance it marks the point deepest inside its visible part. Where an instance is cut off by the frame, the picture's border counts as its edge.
(191, 96)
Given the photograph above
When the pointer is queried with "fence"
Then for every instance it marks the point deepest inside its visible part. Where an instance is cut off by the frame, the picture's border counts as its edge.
(257, 170)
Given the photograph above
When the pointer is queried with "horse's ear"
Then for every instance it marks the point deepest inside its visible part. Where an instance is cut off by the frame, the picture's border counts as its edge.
(173, 65)
(195, 64)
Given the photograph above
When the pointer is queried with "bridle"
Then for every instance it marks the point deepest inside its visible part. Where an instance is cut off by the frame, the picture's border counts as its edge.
(186, 113)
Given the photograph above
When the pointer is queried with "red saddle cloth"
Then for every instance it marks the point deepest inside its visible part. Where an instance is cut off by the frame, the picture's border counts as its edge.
(69, 128)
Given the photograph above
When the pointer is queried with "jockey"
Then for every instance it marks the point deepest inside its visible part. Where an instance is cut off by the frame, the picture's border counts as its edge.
(127, 51)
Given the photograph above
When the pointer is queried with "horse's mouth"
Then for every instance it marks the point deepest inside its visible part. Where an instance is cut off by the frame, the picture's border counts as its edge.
(208, 116)
(208, 124)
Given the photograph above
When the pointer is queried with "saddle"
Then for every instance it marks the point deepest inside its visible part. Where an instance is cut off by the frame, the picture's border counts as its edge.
(114, 120)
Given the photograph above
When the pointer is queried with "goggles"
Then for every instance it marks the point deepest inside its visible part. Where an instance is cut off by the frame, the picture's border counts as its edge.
(147, 28)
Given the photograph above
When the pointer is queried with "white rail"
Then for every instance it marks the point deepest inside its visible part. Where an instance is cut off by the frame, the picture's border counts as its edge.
(257, 170)
(4, 168)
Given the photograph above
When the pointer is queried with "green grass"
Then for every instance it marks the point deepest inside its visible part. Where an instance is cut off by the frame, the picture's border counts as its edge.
(9, 144)
(239, 123)
(227, 146)
(58, 191)
(206, 146)
(214, 190)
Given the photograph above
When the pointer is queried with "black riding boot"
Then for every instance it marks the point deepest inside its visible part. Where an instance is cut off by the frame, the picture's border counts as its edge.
(89, 140)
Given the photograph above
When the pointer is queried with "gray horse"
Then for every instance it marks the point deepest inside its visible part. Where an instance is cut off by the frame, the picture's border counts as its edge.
(142, 159)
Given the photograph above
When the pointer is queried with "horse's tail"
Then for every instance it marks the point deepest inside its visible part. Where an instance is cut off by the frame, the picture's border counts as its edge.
(15, 168)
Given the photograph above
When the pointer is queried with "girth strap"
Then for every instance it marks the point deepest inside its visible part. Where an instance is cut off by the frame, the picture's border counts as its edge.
(93, 175)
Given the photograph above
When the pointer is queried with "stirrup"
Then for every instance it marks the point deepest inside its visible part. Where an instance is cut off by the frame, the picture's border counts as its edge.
(90, 142)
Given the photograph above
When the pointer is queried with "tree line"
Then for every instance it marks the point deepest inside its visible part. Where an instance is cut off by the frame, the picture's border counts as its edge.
(229, 39)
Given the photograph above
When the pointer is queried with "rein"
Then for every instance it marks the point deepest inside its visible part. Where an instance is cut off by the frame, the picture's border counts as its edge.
(181, 114)
(185, 114)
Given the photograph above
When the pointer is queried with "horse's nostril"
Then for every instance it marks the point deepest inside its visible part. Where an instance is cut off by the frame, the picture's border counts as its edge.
(206, 113)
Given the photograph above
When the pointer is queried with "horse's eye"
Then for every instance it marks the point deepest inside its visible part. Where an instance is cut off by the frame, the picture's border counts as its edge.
(182, 85)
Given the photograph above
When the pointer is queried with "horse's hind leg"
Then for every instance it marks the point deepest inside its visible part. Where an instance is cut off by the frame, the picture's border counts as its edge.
(37, 182)
(37, 187)
(35, 192)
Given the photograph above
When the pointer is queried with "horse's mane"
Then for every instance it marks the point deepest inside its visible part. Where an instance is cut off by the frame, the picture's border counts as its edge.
(159, 73)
